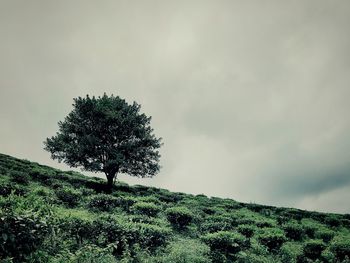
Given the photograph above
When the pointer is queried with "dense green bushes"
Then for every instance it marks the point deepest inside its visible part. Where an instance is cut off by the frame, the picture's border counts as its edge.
(340, 246)
(325, 234)
(102, 202)
(20, 234)
(291, 252)
(225, 243)
(179, 217)
(272, 238)
(313, 249)
(247, 230)
(151, 236)
(66, 217)
(8, 188)
(19, 177)
(68, 196)
(144, 208)
(187, 251)
(294, 231)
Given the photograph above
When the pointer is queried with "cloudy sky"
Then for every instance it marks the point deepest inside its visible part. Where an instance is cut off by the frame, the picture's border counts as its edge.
(251, 97)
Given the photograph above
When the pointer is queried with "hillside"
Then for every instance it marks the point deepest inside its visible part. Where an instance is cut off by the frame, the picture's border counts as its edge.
(47, 215)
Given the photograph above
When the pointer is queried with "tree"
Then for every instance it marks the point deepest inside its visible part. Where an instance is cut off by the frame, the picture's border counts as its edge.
(106, 134)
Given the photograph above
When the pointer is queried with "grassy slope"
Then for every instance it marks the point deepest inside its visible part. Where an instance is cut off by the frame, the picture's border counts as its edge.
(74, 221)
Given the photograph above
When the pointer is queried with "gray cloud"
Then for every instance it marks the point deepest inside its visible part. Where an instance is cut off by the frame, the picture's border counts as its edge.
(251, 98)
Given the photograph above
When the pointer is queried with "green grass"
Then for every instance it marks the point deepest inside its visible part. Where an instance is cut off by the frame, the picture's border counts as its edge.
(48, 215)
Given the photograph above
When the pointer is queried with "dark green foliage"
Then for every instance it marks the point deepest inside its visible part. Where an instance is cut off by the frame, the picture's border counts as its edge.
(325, 234)
(294, 231)
(179, 217)
(247, 230)
(264, 223)
(215, 223)
(272, 238)
(133, 224)
(103, 202)
(20, 235)
(126, 203)
(68, 196)
(8, 188)
(313, 249)
(310, 227)
(291, 252)
(340, 246)
(168, 197)
(332, 221)
(41, 175)
(212, 226)
(345, 222)
(144, 208)
(123, 234)
(78, 229)
(226, 243)
(88, 254)
(19, 177)
(151, 236)
(106, 134)
(179, 251)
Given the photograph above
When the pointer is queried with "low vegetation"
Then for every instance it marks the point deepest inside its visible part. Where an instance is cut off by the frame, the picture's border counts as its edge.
(47, 215)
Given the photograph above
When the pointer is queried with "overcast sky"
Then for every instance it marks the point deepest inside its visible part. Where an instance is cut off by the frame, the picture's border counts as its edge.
(251, 98)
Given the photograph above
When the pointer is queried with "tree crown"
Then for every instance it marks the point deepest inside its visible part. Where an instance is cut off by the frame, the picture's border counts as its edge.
(106, 134)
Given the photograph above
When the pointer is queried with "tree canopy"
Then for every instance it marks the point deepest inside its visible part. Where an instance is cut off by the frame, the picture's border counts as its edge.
(106, 134)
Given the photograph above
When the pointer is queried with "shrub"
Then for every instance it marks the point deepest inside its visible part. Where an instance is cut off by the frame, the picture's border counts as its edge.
(332, 220)
(325, 234)
(7, 188)
(212, 226)
(186, 250)
(209, 210)
(103, 202)
(87, 191)
(215, 223)
(246, 230)
(151, 236)
(40, 174)
(313, 249)
(294, 231)
(291, 252)
(55, 183)
(123, 234)
(179, 217)
(251, 257)
(148, 220)
(310, 226)
(282, 219)
(264, 223)
(78, 229)
(19, 177)
(340, 246)
(345, 222)
(272, 238)
(143, 208)
(88, 253)
(126, 203)
(328, 256)
(68, 196)
(225, 242)
(168, 197)
(20, 235)
(109, 230)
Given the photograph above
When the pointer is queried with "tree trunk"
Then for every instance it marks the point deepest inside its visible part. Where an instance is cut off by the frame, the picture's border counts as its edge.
(110, 181)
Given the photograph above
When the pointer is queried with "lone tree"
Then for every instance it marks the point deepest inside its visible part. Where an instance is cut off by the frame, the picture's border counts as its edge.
(106, 134)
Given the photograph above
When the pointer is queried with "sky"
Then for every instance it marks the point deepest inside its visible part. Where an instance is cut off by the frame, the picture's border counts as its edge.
(251, 98)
